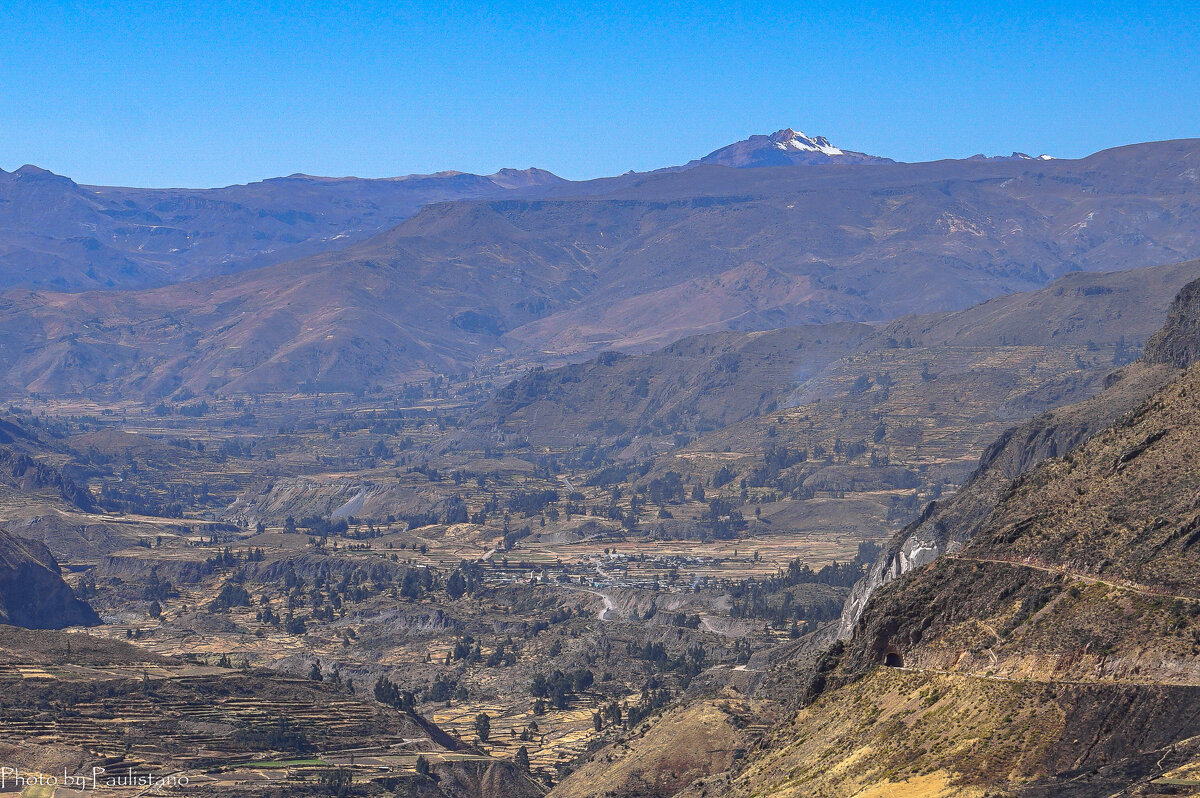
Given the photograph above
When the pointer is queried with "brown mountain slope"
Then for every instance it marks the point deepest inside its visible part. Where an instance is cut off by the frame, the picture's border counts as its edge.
(878, 417)
(706, 382)
(702, 382)
(683, 745)
(660, 257)
(944, 526)
(1052, 654)
(330, 321)
(1074, 309)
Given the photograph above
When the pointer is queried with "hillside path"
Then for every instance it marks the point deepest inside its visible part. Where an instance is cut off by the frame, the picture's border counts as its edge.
(1061, 571)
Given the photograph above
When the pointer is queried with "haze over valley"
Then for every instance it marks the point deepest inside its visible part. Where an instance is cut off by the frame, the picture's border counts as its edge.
(787, 470)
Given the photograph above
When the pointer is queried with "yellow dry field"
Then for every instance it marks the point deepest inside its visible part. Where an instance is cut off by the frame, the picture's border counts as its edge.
(561, 736)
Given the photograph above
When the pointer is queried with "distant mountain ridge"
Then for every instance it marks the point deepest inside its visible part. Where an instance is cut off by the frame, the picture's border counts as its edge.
(1016, 156)
(59, 235)
(555, 277)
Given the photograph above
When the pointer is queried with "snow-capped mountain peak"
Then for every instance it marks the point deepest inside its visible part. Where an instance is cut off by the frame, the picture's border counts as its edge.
(786, 147)
(788, 139)
(1016, 156)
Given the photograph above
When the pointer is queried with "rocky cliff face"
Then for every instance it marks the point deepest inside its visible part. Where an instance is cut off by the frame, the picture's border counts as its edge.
(946, 526)
(32, 591)
(22, 472)
(1178, 342)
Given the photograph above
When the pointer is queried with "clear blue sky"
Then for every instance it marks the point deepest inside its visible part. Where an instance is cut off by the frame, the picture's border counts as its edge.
(203, 94)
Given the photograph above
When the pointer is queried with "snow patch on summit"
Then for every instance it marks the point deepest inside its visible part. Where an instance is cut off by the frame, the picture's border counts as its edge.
(788, 139)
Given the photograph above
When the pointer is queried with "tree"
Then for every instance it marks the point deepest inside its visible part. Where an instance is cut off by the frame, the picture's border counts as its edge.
(521, 760)
(560, 695)
(315, 674)
(388, 692)
(155, 609)
(338, 783)
(231, 595)
(456, 585)
(668, 488)
(422, 766)
(483, 726)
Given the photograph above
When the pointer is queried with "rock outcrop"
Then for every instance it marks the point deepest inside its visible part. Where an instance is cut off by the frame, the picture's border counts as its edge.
(1178, 342)
(32, 591)
(22, 472)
